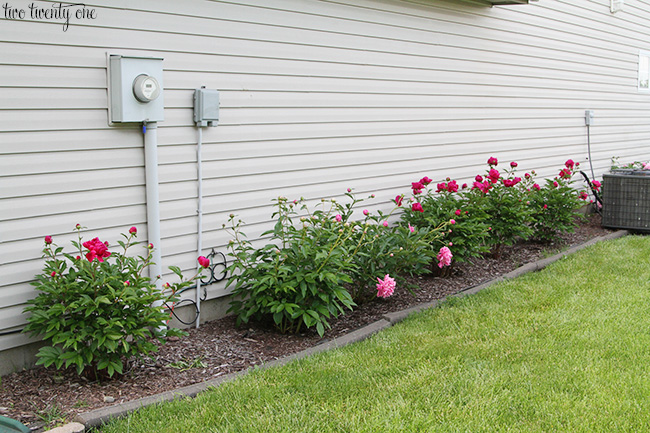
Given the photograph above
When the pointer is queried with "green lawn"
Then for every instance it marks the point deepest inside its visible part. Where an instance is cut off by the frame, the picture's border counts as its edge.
(566, 349)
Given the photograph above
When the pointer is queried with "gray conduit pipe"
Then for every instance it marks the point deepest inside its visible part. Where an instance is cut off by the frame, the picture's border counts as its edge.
(150, 130)
(199, 213)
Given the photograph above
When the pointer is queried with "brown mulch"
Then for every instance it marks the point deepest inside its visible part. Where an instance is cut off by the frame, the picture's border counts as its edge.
(217, 348)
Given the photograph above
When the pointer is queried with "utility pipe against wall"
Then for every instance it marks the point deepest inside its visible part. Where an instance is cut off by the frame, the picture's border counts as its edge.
(199, 213)
(150, 130)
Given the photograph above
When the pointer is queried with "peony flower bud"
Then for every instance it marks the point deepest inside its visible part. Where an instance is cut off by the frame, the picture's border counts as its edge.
(48, 240)
(203, 261)
(133, 230)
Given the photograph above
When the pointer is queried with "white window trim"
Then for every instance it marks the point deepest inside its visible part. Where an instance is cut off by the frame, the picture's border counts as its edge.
(643, 53)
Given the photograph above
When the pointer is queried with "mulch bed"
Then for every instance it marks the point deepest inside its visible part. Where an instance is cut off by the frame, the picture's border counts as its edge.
(38, 396)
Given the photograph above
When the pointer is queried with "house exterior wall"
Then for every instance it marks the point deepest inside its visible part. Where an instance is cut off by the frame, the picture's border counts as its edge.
(316, 97)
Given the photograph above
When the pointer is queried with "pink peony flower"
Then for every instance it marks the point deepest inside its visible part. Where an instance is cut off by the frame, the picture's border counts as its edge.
(96, 250)
(565, 173)
(464, 186)
(537, 187)
(458, 212)
(596, 185)
(416, 186)
(349, 189)
(385, 287)
(417, 207)
(513, 164)
(452, 186)
(338, 218)
(492, 161)
(398, 200)
(545, 206)
(203, 261)
(53, 274)
(133, 230)
(569, 164)
(478, 178)
(494, 175)
(48, 240)
(444, 257)
(385, 223)
(583, 195)
(646, 166)
(425, 181)
(365, 212)
(411, 228)
(441, 187)
(452, 221)
(555, 184)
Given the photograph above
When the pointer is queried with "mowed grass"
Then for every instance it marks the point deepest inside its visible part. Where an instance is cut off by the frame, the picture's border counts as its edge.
(566, 349)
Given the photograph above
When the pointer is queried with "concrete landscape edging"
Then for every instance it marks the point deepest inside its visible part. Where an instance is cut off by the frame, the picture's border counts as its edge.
(99, 416)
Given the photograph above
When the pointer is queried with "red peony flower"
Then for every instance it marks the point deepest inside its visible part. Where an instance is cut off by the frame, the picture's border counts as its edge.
(96, 250)
(203, 261)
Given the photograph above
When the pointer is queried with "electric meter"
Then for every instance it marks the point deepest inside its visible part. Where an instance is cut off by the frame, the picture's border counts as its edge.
(146, 88)
(135, 89)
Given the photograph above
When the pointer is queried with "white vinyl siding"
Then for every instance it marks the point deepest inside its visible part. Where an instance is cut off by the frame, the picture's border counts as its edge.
(316, 97)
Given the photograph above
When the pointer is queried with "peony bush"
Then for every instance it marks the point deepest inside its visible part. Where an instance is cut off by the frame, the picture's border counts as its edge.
(97, 308)
(316, 265)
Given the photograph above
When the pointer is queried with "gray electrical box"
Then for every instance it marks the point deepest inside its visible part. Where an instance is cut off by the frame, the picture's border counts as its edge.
(135, 89)
(206, 107)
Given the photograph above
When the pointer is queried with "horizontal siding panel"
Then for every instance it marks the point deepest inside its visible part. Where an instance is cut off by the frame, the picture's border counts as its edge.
(53, 141)
(65, 203)
(71, 161)
(55, 183)
(40, 227)
(35, 79)
(21, 98)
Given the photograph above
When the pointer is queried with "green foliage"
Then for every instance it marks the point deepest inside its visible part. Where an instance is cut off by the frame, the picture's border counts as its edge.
(554, 207)
(397, 251)
(319, 264)
(466, 237)
(297, 279)
(97, 309)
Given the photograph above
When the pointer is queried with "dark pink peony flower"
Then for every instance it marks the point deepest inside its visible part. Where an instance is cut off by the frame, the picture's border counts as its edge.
(565, 173)
(494, 175)
(458, 212)
(537, 187)
(478, 178)
(399, 199)
(425, 181)
(513, 164)
(417, 207)
(203, 261)
(596, 185)
(48, 240)
(96, 250)
(452, 186)
(133, 230)
(492, 161)
(569, 164)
